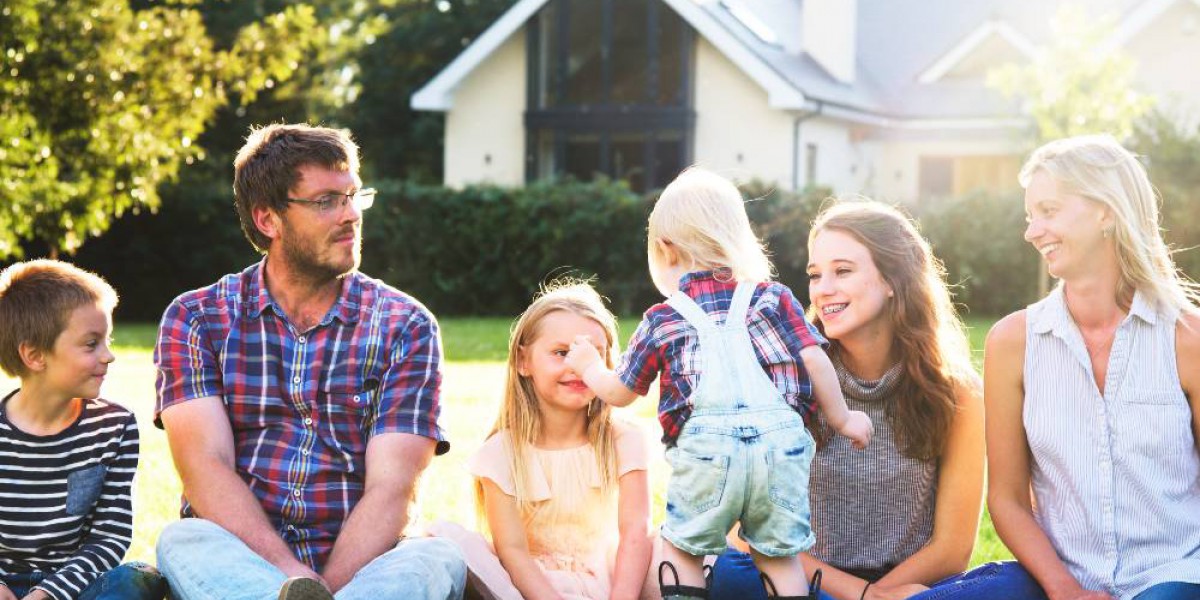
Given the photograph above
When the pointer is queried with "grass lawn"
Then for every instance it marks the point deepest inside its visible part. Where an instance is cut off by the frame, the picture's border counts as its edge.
(474, 372)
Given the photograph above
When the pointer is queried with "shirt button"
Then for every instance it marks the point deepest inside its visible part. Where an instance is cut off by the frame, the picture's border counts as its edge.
(296, 379)
(357, 399)
(304, 451)
(307, 421)
(296, 493)
(301, 339)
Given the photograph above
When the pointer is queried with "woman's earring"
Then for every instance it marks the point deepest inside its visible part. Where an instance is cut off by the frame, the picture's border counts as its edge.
(590, 405)
(1105, 232)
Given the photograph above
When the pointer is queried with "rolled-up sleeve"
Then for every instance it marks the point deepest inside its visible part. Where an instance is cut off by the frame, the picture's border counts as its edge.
(409, 395)
(187, 366)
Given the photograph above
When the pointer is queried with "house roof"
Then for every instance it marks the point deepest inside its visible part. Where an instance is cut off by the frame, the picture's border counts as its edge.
(905, 49)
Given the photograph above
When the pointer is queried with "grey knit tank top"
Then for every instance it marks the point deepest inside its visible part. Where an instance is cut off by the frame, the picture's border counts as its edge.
(871, 508)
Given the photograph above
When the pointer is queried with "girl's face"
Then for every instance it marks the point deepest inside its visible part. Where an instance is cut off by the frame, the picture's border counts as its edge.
(844, 284)
(1066, 229)
(543, 361)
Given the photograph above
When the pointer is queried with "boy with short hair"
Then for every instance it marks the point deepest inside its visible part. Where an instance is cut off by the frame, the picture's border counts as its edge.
(67, 458)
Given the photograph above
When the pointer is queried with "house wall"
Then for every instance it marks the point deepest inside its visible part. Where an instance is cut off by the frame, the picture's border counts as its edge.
(1162, 52)
(841, 162)
(485, 133)
(896, 164)
(737, 134)
(740, 136)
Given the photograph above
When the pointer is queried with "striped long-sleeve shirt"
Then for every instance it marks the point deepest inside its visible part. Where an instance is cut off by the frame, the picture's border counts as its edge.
(66, 499)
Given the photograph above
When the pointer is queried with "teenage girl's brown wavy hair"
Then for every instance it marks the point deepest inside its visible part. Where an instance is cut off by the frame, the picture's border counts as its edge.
(928, 336)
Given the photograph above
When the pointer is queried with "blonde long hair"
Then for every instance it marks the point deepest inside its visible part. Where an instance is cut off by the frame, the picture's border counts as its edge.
(928, 335)
(1098, 168)
(520, 416)
(703, 216)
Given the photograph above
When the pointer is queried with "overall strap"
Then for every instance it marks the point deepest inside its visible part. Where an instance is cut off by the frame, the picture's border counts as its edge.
(691, 311)
(739, 307)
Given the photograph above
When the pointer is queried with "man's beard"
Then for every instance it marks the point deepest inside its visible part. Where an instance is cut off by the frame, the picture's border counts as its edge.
(305, 262)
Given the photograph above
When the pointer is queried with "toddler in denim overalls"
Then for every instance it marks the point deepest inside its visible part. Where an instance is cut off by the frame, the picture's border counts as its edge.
(732, 393)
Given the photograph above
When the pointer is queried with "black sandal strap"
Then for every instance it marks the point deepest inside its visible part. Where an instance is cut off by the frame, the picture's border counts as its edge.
(814, 588)
(676, 589)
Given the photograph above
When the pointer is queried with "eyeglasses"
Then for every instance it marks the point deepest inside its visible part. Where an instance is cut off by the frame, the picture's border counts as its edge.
(329, 202)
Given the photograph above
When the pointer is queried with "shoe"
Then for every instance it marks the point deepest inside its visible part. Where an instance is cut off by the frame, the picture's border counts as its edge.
(303, 588)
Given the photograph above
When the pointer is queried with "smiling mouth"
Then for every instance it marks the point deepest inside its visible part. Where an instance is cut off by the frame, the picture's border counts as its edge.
(1048, 248)
(831, 309)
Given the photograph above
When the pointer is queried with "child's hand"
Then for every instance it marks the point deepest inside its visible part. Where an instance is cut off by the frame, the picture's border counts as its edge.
(582, 355)
(858, 428)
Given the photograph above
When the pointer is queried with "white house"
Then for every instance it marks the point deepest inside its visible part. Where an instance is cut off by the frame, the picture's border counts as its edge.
(881, 97)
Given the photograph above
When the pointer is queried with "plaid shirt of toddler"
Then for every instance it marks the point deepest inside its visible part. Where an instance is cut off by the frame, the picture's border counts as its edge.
(304, 404)
(667, 347)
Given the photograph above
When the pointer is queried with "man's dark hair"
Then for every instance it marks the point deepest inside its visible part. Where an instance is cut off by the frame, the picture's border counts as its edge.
(268, 166)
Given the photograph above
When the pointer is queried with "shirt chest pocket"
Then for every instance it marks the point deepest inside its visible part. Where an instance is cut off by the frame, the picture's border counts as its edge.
(1155, 422)
(348, 414)
(83, 489)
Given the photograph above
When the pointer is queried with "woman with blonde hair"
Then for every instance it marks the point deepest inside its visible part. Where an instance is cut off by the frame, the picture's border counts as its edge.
(1092, 392)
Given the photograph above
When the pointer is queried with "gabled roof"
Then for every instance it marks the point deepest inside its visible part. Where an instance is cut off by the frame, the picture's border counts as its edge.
(1140, 18)
(904, 48)
(972, 43)
(438, 94)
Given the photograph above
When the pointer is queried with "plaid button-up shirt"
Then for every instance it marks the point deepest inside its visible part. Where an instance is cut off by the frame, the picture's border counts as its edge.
(304, 404)
(666, 346)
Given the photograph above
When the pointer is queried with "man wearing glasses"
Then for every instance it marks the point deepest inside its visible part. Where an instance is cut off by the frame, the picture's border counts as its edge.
(300, 399)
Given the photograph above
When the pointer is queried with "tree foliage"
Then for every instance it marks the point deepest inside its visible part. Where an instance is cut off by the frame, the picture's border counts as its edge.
(101, 102)
(1171, 144)
(1077, 85)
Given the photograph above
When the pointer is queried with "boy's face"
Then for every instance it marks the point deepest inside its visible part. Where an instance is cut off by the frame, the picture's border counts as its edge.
(77, 364)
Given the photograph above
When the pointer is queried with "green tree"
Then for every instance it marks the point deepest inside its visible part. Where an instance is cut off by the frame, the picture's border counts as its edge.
(1077, 85)
(101, 102)
(1171, 144)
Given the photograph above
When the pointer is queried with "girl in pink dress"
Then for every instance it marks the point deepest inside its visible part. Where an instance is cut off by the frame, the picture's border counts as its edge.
(560, 485)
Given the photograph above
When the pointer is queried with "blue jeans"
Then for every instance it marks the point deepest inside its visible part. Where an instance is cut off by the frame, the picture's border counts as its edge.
(1171, 590)
(735, 578)
(130, 581)
(203, 561)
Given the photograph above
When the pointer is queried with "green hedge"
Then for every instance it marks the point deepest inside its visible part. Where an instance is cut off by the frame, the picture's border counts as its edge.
(991, 269)
(484, 250)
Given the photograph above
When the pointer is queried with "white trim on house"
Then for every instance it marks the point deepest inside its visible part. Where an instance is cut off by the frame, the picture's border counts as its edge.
(1137, 20)
(780, 93)
(973, 41)
(438, 94)
(976, 123)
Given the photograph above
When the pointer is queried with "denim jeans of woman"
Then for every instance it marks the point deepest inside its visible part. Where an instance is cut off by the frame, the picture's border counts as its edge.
(735, 578)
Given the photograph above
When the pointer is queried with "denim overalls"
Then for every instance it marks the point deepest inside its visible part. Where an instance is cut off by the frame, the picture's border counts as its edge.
(744, 453)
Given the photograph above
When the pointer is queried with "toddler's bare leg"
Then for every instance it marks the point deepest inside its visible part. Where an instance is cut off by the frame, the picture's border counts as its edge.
(786, 572)
(689, 567)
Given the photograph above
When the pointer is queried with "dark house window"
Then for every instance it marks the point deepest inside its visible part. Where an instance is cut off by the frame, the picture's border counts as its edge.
(609, 92)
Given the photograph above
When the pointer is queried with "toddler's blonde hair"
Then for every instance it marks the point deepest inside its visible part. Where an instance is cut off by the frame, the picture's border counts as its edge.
(703, 216)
